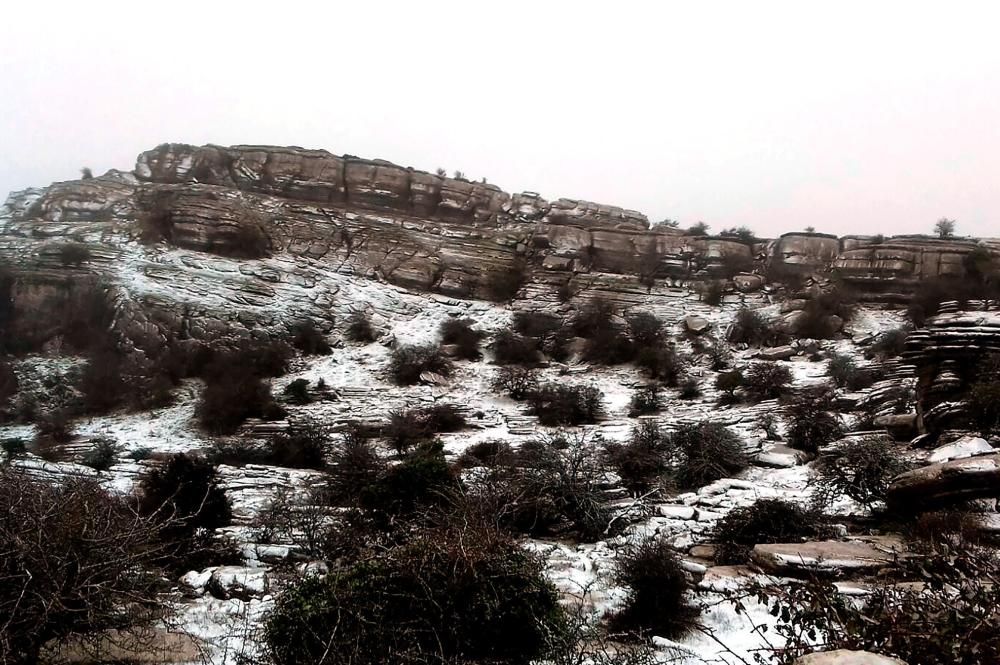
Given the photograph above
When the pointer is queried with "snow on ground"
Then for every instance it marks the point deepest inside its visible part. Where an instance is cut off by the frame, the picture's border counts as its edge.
(359, 389)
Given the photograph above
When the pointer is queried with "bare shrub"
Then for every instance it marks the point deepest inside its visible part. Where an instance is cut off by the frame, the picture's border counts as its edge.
(645, 399)
(297, 392)
(460, 592)
(689, 389)
(359, 328)
(406, 429)
(888, 344)
(663, 363)
(642, 461)
(102, 456)
(230, 397)
(490, 453)
(556, 404)
(509, 348)
(751, 328)
(308, 339)
(302, 446)
(516, 382)
(354, 466)
(764, 521)
(552, 487)
(88, 564)
(182, 495)
(460, 333)
(74, 254)
(766, 380)
(713, 293)
(502, 284)
(422, 480)
(704, 452)
(860, 469)
(811, 422)
(657, 602)
(409, 362)
(951, 619)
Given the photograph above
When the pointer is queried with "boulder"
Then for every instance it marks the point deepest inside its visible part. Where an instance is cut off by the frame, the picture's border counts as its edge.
(746, 283)
(967, 446)
(696, 324)
(900, 426)
(237, 582)
(846, 657)
(827, 556)
(946, 483)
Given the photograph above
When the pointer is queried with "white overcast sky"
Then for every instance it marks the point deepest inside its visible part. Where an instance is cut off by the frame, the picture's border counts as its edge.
(853, 117)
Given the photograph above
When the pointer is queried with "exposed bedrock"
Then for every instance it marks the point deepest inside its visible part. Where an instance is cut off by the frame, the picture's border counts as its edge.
(198, 241)
(947, 353)
(946, 483)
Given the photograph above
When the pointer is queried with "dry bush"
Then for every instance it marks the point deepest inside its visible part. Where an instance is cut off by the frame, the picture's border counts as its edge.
(406, 429)
(229, 398)
(74, 254)
(297, 392)
(409, 362)
(552, 487)
(689, 389)
(354, 465)
(509, 348)
(951, 619)
(308, 339)
(502, 284)
(490, 454)
(811, 421)
(182, 495)
(645, 400)
(460, 333)
(461, 592)
(764, 521)
(422, 480)
(558, 404)
(102, 456)
(702, 453)
(713, 293)
(657, 602)
(663, 363)
(766, 380)
(516, 382)
(751, 328)
(74, 560)
(860, 469)
(359, 328)
(889, 344)
(642, 461)
(846, 374)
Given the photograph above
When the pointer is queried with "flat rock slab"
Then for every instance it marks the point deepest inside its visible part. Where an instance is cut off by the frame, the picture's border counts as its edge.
(832, 556)
(777, 353)
(967, 446)
(846, 657)
(946, 482)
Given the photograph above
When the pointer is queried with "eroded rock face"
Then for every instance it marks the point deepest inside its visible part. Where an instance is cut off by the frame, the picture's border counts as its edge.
(241, 240)
(947, 353)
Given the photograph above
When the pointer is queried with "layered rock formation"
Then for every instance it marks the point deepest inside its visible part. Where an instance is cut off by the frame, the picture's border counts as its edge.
(199, 240)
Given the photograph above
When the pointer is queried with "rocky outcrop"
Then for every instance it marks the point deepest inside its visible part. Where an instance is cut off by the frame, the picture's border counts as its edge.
(946, 483)
(828, 557)
(947, 353)
(200, 242)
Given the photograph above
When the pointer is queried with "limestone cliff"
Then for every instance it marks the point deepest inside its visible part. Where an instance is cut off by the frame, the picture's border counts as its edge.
(205, 240)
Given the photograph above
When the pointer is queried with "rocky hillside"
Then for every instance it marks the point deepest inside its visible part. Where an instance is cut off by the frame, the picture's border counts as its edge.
(136, 308)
